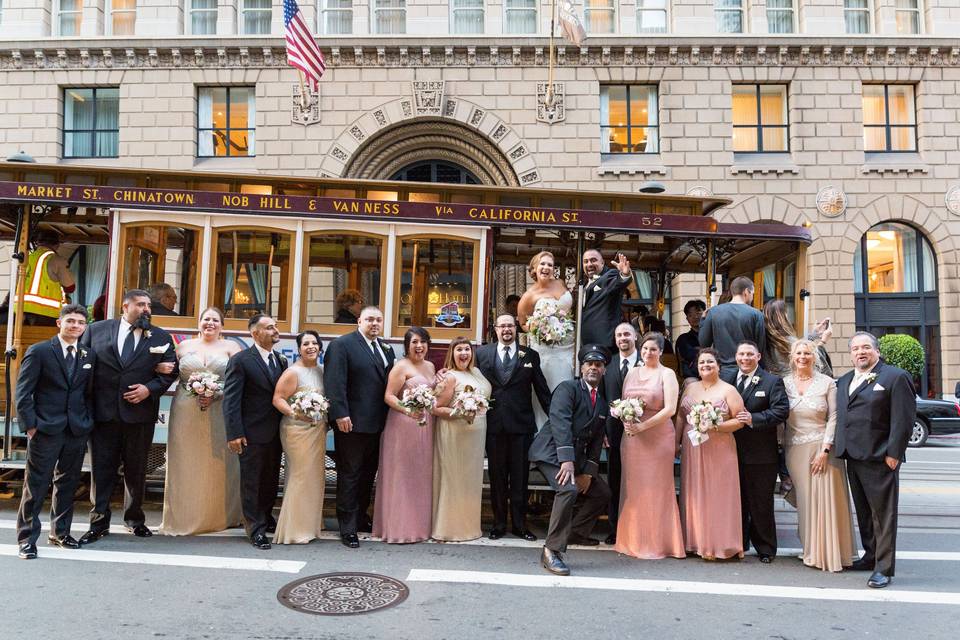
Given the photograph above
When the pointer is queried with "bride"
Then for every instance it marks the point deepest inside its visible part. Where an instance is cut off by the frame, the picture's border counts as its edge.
(548, 295)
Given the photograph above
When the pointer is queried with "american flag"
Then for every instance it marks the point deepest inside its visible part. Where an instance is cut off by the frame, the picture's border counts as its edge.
(302, 50)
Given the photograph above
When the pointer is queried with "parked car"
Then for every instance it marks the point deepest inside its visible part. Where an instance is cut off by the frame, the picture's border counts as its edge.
(934, 418)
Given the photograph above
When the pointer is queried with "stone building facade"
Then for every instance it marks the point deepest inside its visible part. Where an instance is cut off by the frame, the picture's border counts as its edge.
(858, 102)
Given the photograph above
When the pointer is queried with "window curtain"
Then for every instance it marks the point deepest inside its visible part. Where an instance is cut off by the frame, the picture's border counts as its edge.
(521, 16)
(78, 116)
(652, 16)
(203, 17)
(929, 268)
(256, 17)
(257, 277)
(905, 256)
(644, 284)
(228, 288)
(858, 270)
(599, 16)
(251, 121)
(205, 121)
(108, 122)
(780, 16)
(856, 15)
(468, 16)
(94, 276)
(604, 120)
(338, 17)
(729, 16)
(653, 132)
(390, 16)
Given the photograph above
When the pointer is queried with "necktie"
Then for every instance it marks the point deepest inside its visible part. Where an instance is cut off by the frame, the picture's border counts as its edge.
(376, 353)
(127, 352)
(70, 360)
(593, 397)
(741, 383)
(624, 367)
(272, 364)
(506, 358)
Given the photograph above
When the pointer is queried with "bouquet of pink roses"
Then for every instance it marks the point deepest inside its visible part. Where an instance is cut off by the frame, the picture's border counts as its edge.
(419, 401)
(550, 324)
(703, 416)
(469, 403)
(627, 410)
(311, 405)
(204, 384)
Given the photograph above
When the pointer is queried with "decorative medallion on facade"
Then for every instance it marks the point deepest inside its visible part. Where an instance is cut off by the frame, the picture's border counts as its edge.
(952, 200)
(555, 111)
(308, 115)
(699, 191)
(428, 97)
(831, 201)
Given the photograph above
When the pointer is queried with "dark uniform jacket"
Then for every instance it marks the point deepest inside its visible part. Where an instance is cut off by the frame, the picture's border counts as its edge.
(574, 432)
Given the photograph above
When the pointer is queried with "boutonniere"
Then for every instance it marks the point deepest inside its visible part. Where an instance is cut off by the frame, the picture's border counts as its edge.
(522, 353)
(83, 353)
(161, 349)
(147, 334)
(871, 378)
(755, 379)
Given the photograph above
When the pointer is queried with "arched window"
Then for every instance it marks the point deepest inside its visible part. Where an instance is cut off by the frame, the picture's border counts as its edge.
(436, 171)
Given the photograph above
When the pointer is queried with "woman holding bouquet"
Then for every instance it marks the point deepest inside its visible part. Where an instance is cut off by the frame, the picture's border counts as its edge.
(403, 509)
(201, 491)
(546, 313)
(303, 432)
(710, 478)
(459, 441)
(649, 522)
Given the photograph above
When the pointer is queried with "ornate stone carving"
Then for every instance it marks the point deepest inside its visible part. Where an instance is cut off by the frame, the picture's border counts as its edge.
(176, 57)
(556, 110)
(357, 133)
(404, 55)
(518, 152)
(222, 56)
(477, 116)
(407, 108)
(831, 201)
(952, 200)
(449, 108)
(358, 56)
(699, 191)
(380, 117)
(448, 56)
(428, 97)
(153, 57)
(500, 132)
(84, 57)
(530, 177)
(299, 114)
(339, 154)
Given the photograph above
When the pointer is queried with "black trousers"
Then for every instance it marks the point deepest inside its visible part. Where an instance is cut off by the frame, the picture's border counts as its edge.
(358, 457)
(757, 485)
(110, 444)
(50, 457)
(573, 512)
(876, 493)
(259, 480)
(614, 474)
(509, 470)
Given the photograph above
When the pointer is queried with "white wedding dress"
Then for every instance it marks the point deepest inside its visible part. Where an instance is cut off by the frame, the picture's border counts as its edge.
(556, 361)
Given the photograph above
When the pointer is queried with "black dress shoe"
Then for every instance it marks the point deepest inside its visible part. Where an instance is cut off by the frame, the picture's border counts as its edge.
(610, 539)
(765, 558)
(553, 562)
(879, 581)
(496, 534)
(350, 540)
(583, 541)
(28, 551)
(272, 527)
(862, 565)
(93, 535)
(524, 533)
(260, 541)
(141, 531)
(64, 542)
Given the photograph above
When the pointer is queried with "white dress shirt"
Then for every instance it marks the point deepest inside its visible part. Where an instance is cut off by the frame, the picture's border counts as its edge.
(125, 328)
(374, 345)
(512, 349)
(265, 354)
(64, 344)
(631, 359)
(741, 375)
(858, 379)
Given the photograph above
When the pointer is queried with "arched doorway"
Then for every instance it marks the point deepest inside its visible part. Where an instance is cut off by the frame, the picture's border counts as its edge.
(895, 291)
(436, 171)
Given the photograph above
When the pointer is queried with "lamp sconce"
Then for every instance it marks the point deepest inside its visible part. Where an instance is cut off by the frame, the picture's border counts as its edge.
(804, 294)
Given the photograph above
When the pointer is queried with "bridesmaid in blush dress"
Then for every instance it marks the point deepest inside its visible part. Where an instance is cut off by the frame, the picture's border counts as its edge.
(709, 475)
(649, 523)
(403, 511)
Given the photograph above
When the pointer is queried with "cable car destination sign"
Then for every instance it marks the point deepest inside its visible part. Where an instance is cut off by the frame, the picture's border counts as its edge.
(356, 209)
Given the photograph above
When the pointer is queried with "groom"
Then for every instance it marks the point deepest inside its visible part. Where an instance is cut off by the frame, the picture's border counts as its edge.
(603, 290)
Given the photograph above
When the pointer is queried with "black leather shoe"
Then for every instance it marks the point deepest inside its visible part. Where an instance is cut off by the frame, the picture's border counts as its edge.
(610, 539)
(862, 565)
(28, 551)
(272, 527)
(64, 542)
(260, 541)
(583, 541)
(765, 558)
(879, 581)
(524, 533)
(350, 540)
(553, 562)
(141, 531)
(496, 534)
(93, 535)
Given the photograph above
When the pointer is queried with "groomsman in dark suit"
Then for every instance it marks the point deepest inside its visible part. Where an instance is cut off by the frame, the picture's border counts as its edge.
(54, 394)
(876, 409)
(567, 452)
(603, 291)
(627, 357)
(515, 376)
(253, 425)
(766, 406)
(355, 371)
(128, 387)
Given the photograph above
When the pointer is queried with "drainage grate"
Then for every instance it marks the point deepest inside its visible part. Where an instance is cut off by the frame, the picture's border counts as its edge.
(343, 594)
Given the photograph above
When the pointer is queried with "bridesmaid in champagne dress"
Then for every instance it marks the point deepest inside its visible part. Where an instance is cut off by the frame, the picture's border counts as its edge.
(304, 445)
(709, 477)
(649, 523)
(403, 511)
(201, 492)
(458, 451)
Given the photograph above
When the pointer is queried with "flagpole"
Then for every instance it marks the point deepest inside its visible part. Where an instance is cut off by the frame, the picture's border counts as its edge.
(548, 99)
(303, 92)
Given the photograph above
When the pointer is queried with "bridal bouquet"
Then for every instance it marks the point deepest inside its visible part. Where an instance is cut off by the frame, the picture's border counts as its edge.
(468, 404)
(550, 324)
(627, 410)
(204, 384)
(419, 400)
(310, 404)
(703, 416)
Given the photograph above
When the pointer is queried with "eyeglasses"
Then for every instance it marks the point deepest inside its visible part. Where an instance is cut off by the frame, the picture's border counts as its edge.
(505, 326)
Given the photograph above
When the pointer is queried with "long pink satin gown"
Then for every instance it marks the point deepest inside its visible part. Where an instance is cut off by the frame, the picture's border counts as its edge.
(710, 492)
(649, 524)
(403, 511)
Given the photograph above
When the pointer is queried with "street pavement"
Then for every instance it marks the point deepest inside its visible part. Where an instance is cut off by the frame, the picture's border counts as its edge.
(218, 586)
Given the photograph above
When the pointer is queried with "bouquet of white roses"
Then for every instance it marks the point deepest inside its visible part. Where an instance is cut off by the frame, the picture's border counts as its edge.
(627, 410)
(550, 324)
(703, 416)
(310, 404)
(469, 403)
(419, 401)
(204, 384)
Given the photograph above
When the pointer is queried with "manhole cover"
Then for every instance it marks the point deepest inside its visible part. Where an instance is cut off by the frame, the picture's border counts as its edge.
(342, 594)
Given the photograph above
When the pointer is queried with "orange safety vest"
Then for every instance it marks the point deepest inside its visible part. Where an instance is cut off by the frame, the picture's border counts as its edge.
(43, 295)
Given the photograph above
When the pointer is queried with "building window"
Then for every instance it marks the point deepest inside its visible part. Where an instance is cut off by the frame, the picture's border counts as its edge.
(203, 17)
(466, 16)
(123, 17)
(252, 273)
(599, 16)
(343, 276)
(336, 17)
(436, 283)
(226, 121)
(856, 14)
(91, 122)
(729, 15)
(889, 118)
(163, 260)
(908, 16)
(780, 16)
(389, 16)
(70, 17)
(896, 261)
(520, 16)
(256, 17)
(652, 16)
(629, 119)
(760, 118)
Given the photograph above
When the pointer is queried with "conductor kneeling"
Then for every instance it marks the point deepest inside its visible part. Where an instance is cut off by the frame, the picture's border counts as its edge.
(567, 451)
